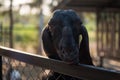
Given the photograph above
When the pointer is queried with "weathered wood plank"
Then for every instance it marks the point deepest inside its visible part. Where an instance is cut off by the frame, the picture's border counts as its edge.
(84, 71)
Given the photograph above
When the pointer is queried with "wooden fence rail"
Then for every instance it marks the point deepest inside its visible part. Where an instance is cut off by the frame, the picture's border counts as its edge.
(79, 71)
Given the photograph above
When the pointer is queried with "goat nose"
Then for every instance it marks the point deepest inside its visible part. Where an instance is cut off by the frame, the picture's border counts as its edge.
(66, 31)
(67, 47)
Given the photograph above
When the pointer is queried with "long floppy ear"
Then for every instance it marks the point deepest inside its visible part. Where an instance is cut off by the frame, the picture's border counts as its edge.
(48, 44)
(85, 57)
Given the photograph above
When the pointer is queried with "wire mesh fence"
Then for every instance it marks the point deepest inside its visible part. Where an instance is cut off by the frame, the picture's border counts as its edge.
(29, 72)
(26, 71)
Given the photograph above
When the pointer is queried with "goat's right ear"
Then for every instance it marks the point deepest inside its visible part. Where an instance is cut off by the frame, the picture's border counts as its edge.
(47, 42)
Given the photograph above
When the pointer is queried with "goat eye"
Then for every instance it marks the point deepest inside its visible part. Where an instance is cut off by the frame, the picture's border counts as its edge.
(51, 24)
(51, 28)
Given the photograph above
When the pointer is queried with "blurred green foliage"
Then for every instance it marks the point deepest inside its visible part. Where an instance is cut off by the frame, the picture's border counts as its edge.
(25, 33)
(89, 21)
(26, 30)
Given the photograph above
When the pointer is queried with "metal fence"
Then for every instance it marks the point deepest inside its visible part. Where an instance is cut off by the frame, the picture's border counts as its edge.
(108, 35)
(108, 32)
(33, 67)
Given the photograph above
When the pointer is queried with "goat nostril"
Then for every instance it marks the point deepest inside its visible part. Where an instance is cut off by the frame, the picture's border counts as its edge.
(62, 50)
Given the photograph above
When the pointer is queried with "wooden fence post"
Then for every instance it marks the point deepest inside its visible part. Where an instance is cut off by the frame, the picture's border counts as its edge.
(0, 67)
(1, 34)
(11, 25)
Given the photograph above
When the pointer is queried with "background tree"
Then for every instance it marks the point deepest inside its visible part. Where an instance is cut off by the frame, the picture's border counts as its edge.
(11, 25)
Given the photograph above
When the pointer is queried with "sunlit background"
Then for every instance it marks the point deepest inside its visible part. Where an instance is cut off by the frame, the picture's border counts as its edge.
(25, 7)
(29, 18)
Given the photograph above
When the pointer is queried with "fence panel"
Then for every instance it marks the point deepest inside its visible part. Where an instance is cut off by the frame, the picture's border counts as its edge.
(78, 71)
(108, 37)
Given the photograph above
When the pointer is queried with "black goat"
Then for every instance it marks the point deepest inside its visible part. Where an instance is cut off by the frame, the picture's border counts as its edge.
(61, 40)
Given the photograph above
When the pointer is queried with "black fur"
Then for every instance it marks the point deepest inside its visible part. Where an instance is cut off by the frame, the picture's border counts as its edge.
(61, 40)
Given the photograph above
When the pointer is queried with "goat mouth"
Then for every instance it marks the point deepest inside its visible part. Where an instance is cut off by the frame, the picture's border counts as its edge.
(75, 61)
(69, 57)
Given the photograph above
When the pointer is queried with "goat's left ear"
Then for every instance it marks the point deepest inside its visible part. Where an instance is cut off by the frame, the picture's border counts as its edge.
(85, 37)
(84, 46)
